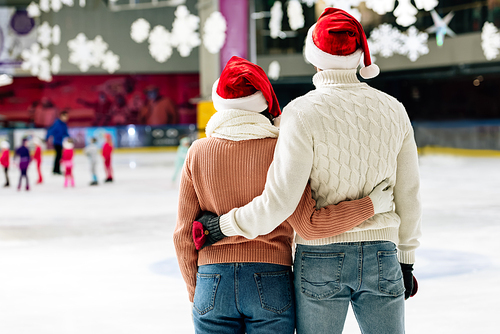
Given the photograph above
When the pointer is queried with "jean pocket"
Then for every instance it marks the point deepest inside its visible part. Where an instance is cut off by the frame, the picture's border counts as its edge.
(204, 294)
(390, 276)
(275, 291)
(320, 274)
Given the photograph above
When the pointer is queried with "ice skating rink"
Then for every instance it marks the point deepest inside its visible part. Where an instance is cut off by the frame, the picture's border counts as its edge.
(101, 259)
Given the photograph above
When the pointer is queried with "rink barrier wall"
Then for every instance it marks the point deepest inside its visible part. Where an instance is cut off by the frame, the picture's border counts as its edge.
(479, 138)
(463, 136)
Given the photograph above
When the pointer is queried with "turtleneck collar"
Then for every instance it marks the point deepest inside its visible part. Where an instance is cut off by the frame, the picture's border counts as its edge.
(335, 77)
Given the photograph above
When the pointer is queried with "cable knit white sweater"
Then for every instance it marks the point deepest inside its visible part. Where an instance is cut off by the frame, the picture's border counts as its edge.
(345, 137)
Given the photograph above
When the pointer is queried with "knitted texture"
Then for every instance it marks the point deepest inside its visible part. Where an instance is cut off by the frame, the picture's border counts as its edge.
(221, 174)
(237, 125)
(344, 137)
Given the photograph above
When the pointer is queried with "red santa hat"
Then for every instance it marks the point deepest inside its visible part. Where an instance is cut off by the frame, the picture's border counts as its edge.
(337, 41)
(244, 85)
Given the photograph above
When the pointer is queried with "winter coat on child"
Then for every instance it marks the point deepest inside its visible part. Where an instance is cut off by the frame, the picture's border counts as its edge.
(24, 158)
(5, 160)
(67, 161)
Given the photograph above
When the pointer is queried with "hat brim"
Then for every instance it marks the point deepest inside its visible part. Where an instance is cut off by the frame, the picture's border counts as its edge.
(255, 102)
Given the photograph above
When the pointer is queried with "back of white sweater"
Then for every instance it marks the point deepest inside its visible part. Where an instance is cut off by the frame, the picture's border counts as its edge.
(344, 137)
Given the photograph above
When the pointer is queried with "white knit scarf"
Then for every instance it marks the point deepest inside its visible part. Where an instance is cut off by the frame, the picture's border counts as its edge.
(236, 124)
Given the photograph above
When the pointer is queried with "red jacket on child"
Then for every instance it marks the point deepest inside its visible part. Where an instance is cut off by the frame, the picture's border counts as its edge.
(5, 158)
(38, 154)
(106, 151)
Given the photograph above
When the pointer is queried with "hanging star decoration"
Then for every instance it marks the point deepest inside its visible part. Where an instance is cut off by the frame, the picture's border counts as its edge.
(440, 27)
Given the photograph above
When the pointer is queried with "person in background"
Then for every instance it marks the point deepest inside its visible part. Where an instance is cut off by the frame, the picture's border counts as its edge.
(58, 131)
(67, 162)
(107, 150)
(23, 158)
(37, 156)
(101, 108)
(45, 112)
(182, 150)
(5, 160)
(92, 152)
(158, 110)
(119, 111)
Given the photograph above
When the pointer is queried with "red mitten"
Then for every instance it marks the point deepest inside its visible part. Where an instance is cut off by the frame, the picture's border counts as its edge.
(415, 287)
(198, 235)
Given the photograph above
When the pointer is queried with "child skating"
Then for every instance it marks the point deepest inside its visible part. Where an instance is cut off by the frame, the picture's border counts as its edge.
(37, 156)
(23, 158)
(67, 161)
(181, 156)
(5, 160)
(92, 151)
(107, 150)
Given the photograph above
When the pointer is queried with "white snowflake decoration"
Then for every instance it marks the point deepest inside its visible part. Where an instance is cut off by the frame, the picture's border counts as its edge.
(45, 5)
(184, 36)
(274, 70)
(490, 40)
(33, 58)
(99, 48)
(427, 5)
(275, 21)
(139, 30)
(56, 5)
(110, 62)
(55, 64)
(33, 10)
(214, 32)
(346, 5)
(85, 53)
(295, 15)
(81, 52)
(160, 46)
(56, 35)
(405, 13)
(380, 7)
(414, 43)
(309, 3)
(44, 73)
(44, 34)
(385, 40)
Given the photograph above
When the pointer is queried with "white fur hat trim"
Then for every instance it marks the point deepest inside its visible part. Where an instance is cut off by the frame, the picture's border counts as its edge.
(255, 102)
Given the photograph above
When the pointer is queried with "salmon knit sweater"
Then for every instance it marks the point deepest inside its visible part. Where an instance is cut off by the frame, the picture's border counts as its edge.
(221, 174)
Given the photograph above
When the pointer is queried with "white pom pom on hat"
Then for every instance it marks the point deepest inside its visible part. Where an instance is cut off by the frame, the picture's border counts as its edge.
(337, 41)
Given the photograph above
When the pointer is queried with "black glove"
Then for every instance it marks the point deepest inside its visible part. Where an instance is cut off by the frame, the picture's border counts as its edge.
(210, 233)
(411, 285)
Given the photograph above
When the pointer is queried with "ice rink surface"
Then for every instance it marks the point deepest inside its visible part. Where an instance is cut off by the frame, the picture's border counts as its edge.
(101, 259)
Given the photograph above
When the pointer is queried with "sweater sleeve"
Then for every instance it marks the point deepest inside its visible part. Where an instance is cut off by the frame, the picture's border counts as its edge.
(311, 223)
(188, 211)
(407, 198)
(287, 177)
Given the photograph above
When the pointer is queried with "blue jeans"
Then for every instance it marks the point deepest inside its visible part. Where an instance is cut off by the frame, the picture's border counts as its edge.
(234, 298)
(365, 274)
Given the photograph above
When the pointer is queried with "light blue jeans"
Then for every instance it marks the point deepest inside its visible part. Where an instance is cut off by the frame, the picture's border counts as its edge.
(234, 298)
(365, 274)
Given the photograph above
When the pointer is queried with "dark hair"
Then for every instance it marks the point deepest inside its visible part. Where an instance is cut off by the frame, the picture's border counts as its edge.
(63, 113)
(268, 115)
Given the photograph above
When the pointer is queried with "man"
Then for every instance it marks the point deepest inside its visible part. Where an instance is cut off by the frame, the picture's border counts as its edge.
(158, 110)
(58, 131)
(344, 137)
